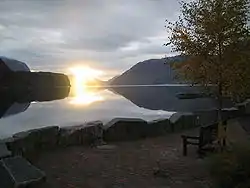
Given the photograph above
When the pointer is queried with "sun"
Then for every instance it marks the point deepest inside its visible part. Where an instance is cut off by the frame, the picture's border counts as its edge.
(85, 74)
(82, 76)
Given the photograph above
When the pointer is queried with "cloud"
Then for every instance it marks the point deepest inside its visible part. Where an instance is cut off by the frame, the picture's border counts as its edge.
(112, 34)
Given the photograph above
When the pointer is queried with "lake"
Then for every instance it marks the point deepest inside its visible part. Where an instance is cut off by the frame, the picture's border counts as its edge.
(79, 105)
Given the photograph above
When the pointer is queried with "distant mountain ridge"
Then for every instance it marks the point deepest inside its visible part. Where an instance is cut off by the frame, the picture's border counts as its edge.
(152, 71)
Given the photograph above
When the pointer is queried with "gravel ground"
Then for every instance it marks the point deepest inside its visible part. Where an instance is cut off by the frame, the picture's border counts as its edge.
(125, 165)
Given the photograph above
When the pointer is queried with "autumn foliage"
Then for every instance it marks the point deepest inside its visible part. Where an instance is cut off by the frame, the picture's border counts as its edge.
(215, 36)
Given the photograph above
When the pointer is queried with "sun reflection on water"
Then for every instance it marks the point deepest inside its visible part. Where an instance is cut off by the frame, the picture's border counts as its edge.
(82, 90)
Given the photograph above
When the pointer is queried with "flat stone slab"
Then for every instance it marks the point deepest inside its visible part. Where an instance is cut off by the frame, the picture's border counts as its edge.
(18, 172)
(4, 152)
(90, 133)
(124, 129)
(6, 180)
(106, 147)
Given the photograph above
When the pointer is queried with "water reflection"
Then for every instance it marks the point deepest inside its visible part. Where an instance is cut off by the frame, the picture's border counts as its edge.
(166, 98)
(82, 94)
(17, 100)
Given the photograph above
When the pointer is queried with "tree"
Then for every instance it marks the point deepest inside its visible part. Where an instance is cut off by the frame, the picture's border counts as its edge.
(214, 36)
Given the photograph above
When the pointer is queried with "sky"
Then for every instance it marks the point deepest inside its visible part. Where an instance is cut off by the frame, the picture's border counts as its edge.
(111, 35)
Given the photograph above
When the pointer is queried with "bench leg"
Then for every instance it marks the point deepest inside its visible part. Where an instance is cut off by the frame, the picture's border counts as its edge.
(172, 127)
(200, 152)
(184, 140)
(224, 143)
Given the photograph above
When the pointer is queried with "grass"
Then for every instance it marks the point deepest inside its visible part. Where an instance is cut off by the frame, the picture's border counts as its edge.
(231, 168)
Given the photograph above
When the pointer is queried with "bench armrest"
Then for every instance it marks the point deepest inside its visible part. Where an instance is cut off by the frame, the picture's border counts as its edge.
(190, 137)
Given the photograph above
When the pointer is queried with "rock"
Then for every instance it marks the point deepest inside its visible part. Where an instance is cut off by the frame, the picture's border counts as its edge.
(86, 134)
(35, 79)
(106, 147)
(158, 127)
(161, 173)
(230, 113)
(18, 146)
(206, 117)
(11, 144)
(29, 142)
(182, 121)
(244, 107)
(42, 138)
(4, 152)
(6, 180)
(17, 172)
(247, 105)
(190, 121)
(123, 129)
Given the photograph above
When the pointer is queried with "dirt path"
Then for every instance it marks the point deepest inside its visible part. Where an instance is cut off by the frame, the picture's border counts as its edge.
(128, 164)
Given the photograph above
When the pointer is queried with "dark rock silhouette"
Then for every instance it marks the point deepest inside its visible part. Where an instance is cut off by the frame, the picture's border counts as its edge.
(14, 73)
(15, 100)
(34, 79)
(18, 172)
(124, 129)
(19, 87)
(11, 65)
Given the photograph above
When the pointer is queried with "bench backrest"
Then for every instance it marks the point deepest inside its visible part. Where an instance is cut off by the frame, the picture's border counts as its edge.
(208, 134)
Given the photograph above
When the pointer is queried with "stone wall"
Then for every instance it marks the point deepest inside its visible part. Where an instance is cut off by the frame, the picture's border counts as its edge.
(30, 143)
(244, 107)
(86, 134)
(121, 129)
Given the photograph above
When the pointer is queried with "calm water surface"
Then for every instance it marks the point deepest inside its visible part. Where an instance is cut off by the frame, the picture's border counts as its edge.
(84, 104)
(89, 104)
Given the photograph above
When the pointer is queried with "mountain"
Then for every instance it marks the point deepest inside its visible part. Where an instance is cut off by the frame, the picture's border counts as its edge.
(153, 71)
(93, 82)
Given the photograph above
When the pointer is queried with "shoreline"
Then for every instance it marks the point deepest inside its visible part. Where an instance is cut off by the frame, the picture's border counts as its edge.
(205, 117)
(31, 141)
(97, 139)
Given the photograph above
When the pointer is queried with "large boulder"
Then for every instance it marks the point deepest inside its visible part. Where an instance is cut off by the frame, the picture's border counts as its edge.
(16, 172)
(158, 127)
(244, 107)
(4, 152)
(247, 106)
(124, 129)
(230, 113)
(182, 121)
(85, 134)
(30, 142)
(206, 117)
(35, 79)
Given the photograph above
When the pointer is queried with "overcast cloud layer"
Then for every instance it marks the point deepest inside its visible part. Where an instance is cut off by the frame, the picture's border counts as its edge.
(111, 35)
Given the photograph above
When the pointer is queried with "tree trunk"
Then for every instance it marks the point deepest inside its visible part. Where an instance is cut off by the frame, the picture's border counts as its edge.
(220, 120)
(221, 124)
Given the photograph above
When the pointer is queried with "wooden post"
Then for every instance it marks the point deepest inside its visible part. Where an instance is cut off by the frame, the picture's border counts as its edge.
(184, 140)
(224, 143)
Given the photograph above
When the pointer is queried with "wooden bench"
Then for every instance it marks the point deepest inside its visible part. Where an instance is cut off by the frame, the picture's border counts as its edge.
(207, 136)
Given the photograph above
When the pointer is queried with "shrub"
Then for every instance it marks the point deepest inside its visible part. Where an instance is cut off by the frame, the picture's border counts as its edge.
(231, 169)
